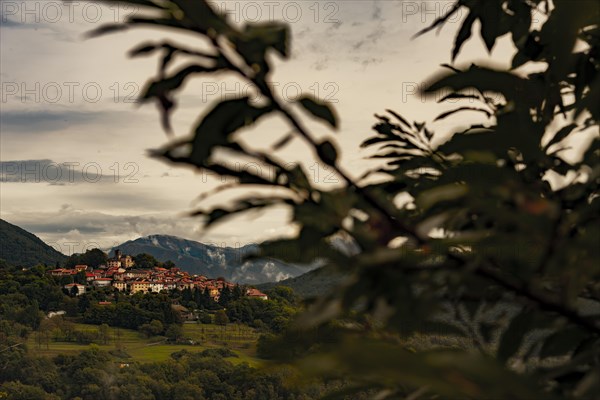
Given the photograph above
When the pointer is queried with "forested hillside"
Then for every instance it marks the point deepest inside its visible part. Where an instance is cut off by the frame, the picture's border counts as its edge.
(22, 248)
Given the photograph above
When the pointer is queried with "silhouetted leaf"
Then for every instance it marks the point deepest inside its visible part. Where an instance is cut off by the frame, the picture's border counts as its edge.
(512, 337)
(459, 96)
(165, 86)
(144, 49)
(451, 192)
(463, 34)
(106, 29)
(327, 152)
(562, 342)
(439, 21)
(204, 17)
(448, 113)
(484, 79)
(283, 141)
(319, 109)
(491, 17)
(219, 123)
(399, 118)
(218, 215)
(272, 34)
(560, 135)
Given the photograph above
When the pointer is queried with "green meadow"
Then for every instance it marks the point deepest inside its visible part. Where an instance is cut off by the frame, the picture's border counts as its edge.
(127, 345)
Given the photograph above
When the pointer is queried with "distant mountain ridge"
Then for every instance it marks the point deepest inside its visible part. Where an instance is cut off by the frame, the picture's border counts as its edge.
(314, 283)
(21, 248)
(213, 261)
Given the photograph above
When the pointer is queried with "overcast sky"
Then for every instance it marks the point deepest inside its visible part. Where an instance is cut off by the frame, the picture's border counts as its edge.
(73, 144)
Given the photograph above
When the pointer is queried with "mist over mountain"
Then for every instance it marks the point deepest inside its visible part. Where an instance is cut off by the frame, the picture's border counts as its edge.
(314, 283)
(21, 248)
(213, 261)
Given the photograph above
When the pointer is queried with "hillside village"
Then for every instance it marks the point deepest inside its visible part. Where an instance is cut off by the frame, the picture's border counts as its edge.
(120, 273)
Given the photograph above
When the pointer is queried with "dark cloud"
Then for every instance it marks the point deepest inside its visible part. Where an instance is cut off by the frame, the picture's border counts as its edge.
(45, 228)
(33, 122)
(8, 23)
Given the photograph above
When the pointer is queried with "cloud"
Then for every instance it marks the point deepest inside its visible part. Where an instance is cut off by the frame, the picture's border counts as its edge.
(9, 23)
(33, 122)
(51, 172)
(75, 230)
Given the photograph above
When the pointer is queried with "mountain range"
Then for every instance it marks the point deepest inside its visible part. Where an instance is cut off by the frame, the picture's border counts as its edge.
(21, 248)
(213, 261)
(312, 284)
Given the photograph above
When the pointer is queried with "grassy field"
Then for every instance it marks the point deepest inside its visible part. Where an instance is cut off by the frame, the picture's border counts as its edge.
(241, 339)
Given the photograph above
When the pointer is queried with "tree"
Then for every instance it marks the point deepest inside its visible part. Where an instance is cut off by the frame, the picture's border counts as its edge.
(92, 258)
(283, 293)
(174, 332)
(225, 296)
(155, 327)
(84, 303)
(495, 223)
(104, 333)
(145, 261)
(221, 318)
(205, 318)
(237, 292)
(20, 391)
(80, 278)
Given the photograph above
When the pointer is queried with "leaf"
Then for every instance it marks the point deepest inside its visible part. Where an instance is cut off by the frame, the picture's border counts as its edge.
(428, 134)
(144, 49)
(203, 17)
(562, 342)
(283, 141)
(447, 374)
(463, 34)
(521, 22)
(217, 215)
(477, 140)
(167, 85)
(298, 179)
(450, 67)
(448, 113)
(560, 135)
(319, 109)
(254, 41)
(106, 29)
(459, 96)
(148, 47)
(510, 85)
(428, 198)
(273, 34)
(399, 118)
(327, 152)
(219, 123)
(439, 21)
(512, 337)
(375, 140)
(491, 17)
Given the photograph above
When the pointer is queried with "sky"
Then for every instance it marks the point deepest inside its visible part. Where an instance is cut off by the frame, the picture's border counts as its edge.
(74, 144)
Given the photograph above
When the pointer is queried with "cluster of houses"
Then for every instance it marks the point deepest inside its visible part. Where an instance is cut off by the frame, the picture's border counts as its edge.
(120, 273)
